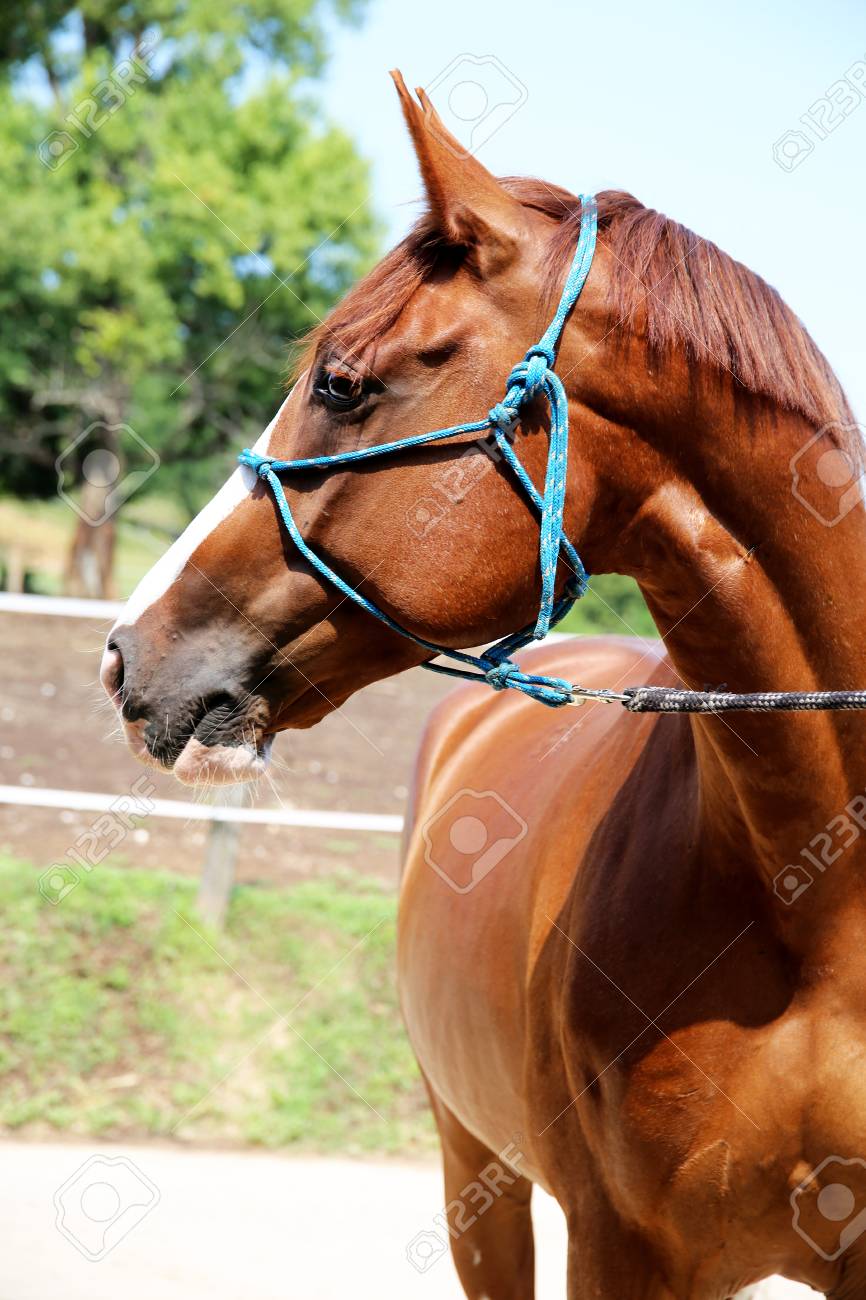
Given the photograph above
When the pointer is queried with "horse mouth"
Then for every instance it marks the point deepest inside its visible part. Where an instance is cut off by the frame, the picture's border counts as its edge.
(217, 743)
(222, 764)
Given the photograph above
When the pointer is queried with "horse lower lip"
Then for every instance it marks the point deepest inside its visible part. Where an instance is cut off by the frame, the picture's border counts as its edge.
(221, 764)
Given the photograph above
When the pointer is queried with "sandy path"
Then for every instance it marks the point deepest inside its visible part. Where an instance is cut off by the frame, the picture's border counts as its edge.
(229, 1226)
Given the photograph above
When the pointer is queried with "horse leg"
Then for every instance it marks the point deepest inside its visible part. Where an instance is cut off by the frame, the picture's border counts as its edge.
(607, 1262)
(489, 1220)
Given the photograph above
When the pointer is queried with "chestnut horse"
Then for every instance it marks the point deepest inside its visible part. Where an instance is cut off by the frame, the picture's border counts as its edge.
(610, 962)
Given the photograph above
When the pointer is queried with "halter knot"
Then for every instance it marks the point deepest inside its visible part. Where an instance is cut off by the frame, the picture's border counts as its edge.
(549, 690)
(252, 460)
(501, 676)
(529, 376)
(502, 416)
(538, 360)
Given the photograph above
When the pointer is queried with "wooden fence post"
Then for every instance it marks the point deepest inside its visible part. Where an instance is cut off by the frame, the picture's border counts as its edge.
(218, 874)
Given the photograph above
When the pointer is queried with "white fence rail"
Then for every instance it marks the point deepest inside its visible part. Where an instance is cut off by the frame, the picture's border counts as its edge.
(313, 818)
(92, 801)
(12, 602)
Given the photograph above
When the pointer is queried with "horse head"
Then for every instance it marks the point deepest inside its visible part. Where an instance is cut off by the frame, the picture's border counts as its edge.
(232, 637)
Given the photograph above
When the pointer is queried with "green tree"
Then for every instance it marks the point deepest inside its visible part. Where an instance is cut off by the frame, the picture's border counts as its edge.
(176, 211)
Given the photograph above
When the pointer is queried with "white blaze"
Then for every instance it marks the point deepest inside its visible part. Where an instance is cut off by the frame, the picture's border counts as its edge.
(157, 580)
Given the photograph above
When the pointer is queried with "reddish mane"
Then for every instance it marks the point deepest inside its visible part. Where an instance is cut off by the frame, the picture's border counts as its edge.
(689, 293)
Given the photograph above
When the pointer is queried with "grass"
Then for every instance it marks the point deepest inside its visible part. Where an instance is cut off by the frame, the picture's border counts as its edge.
(121, 1017)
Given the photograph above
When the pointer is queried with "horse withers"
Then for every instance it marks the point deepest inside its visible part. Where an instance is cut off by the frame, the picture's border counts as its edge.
(631, 949)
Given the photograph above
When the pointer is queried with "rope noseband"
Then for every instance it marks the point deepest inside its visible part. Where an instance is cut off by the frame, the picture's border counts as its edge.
(533, 377)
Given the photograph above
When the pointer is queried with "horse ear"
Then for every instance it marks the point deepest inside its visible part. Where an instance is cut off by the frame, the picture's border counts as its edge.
(469, 205)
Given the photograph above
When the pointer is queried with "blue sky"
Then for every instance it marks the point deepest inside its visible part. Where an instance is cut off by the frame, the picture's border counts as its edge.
(679, 102)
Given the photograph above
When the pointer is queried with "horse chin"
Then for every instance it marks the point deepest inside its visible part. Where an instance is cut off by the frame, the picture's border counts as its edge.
(199, 764)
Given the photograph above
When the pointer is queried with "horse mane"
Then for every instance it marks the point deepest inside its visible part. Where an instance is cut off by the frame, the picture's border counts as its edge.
(680, 289)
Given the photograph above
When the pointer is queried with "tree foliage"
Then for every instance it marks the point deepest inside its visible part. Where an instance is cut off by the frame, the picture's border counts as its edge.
(176, 211)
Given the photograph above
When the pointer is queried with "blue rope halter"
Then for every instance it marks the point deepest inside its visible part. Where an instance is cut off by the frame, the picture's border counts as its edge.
(533, 376)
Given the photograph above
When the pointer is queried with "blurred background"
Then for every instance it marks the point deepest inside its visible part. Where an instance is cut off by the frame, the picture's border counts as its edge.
(189, 186)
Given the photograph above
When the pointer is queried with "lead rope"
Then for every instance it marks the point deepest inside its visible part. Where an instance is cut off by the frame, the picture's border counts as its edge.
(532, 377)
(668, 699)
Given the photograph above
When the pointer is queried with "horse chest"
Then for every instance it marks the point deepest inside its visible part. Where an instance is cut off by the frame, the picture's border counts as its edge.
(718, 1139)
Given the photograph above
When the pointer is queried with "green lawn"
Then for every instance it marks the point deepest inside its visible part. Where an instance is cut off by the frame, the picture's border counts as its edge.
(118, 1019)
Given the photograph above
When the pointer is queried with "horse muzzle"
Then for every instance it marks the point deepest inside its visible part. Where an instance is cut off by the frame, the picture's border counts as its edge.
(204, 727)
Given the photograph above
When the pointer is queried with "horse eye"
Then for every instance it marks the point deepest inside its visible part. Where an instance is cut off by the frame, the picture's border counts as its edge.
(340, 391)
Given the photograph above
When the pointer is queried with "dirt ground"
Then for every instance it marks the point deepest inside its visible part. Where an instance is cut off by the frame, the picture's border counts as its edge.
(57, 730)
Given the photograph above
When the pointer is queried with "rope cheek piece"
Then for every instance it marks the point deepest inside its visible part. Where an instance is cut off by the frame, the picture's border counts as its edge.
(532, 377)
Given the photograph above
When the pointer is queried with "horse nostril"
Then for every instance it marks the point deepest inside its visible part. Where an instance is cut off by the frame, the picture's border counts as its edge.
(111, 673)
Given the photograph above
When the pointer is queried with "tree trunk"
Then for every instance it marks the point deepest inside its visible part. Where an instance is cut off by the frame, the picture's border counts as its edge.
(90, 562)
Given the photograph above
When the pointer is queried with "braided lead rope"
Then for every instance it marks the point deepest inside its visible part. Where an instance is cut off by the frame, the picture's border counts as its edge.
(532, 377)
(673, 699)
(667, 699)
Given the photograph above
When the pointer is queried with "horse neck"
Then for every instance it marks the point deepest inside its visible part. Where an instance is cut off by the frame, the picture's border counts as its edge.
(750, 590)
